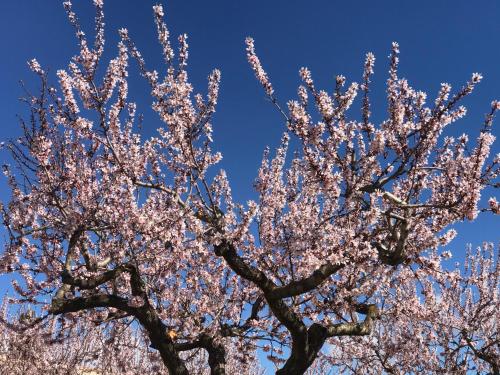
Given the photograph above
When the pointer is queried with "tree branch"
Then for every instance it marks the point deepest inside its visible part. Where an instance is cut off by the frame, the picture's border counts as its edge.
(355, 329)
(306, 284)
(93, 282)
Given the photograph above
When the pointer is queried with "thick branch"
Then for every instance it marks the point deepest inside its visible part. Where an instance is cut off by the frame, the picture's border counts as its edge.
(188, 345)
(146, 314)
(306, 284)
(93, 282)
(73, 241)
(313, 340)
(302, 358)
(355, 329)
(238, 265)
(237, 329)
(215, 350)
(216, 354)
(62, 305)
(160, 340)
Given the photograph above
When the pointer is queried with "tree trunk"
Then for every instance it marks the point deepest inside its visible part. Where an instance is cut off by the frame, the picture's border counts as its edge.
(300, 360)
(157, 332)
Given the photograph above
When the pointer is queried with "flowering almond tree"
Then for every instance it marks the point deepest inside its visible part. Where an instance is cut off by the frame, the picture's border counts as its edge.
(452, 329)
(55, 347)
(29, 347)
(109, 227)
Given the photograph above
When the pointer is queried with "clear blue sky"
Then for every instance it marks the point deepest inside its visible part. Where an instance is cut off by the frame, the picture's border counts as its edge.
(440, 40)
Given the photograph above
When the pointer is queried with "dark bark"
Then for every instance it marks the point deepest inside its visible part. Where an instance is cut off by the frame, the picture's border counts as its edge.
(216, 352)
(92, 282)
(146, 314)
(303, 357)
(306, 348)
(306, 342)
(216, 355)
(157, 332)
(271, 290)
(238, 265)
(306, 284)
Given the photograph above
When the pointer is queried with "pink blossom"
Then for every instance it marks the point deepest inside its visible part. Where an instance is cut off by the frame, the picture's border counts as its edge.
(257, 67)
(134, 239)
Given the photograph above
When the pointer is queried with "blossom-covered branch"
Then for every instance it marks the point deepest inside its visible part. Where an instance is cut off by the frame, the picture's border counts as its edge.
(108, 226)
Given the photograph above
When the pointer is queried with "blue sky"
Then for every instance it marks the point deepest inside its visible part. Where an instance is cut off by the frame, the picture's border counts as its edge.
(440, 41)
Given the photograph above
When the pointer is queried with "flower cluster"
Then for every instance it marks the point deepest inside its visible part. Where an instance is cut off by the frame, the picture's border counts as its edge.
(111, 227)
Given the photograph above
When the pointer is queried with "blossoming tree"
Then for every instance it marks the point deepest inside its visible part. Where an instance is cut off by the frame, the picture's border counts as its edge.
(30, 347)
(108, 227)
(452, 329)
(56, 347)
